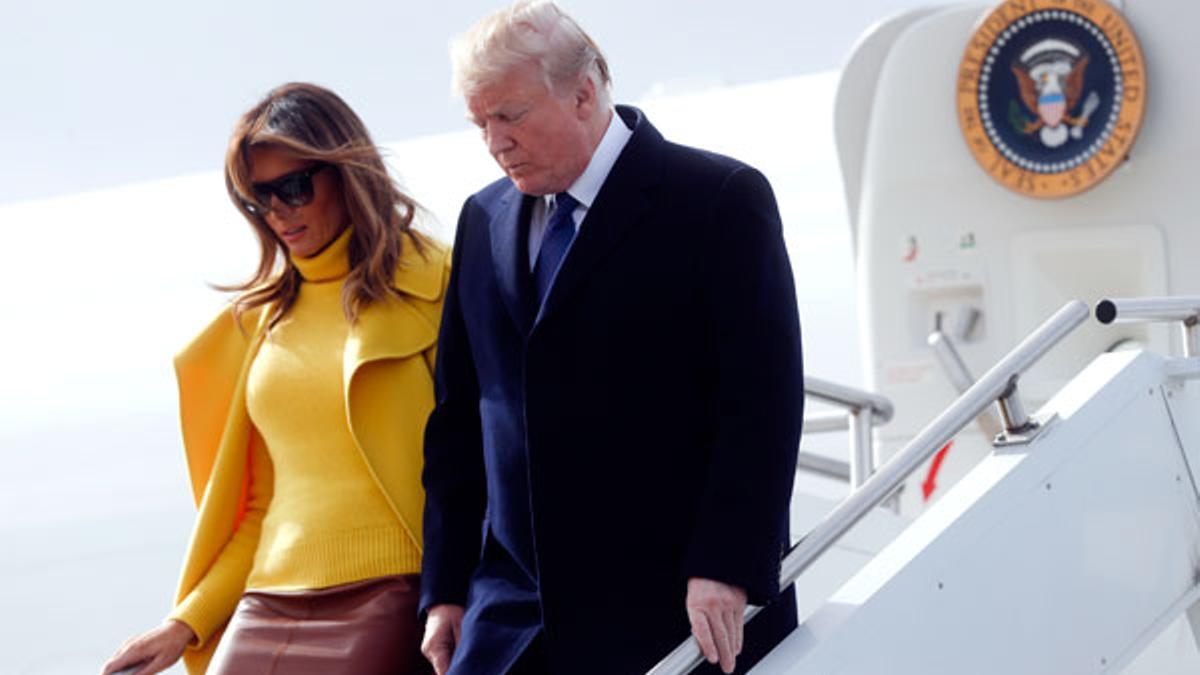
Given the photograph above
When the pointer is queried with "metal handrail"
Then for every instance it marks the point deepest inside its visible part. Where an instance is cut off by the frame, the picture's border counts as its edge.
(822, 465)
(849, 398)
(960, 376)
(996, 383)
(1120, 310)
(951, 361)
(825, 422)
(1185, 310)
(863, 410)
(836, 421)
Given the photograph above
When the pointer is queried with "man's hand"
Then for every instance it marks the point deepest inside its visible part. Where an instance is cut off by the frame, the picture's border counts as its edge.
(715, 611)
(442, 630)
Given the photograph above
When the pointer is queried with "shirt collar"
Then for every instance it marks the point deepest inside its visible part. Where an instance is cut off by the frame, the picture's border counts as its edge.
(587, 186)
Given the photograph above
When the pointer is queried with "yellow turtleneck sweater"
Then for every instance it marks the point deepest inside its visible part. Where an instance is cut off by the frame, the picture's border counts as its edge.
(315, 516)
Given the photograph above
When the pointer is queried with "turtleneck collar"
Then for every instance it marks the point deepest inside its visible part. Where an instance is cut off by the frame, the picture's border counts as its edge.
(328, 265)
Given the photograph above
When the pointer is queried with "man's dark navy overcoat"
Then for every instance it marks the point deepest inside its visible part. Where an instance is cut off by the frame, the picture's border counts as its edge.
(587, 457)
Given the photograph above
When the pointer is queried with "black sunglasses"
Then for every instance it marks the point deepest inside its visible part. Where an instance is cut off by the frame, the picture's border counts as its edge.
(294, 189)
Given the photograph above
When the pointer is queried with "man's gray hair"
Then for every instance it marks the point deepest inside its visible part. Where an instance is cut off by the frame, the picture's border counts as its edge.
(528, 31)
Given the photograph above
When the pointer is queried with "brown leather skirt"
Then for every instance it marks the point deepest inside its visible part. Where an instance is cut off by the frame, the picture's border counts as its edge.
(368, 627)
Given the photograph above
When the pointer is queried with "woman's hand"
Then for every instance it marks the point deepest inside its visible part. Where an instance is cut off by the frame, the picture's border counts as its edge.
(152, 651)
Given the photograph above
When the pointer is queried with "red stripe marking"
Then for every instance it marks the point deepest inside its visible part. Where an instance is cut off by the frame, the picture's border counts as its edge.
(930, 483)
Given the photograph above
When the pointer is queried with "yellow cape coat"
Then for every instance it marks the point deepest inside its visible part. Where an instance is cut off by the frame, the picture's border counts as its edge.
(388, 386)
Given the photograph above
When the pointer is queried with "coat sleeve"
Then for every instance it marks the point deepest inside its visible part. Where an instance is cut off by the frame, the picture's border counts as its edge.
(213, 600)
(430, 354)
(455, 488)
(741, 527)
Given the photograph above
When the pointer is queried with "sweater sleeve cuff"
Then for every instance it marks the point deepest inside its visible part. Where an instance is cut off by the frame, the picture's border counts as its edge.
(202, 615)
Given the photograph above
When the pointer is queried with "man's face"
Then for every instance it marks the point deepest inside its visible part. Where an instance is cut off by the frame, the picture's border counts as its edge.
(538, 138)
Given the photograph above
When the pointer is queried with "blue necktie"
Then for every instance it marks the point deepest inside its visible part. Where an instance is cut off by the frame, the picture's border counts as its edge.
(557, 238)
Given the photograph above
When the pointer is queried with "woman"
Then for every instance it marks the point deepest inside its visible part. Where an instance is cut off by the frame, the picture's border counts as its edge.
(303, 408)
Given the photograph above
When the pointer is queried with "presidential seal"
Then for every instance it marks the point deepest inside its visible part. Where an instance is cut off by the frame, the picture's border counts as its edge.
(1051, 94)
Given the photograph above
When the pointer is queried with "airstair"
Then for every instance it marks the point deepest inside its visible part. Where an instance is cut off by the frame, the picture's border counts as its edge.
(1070, 548)
(990, 540)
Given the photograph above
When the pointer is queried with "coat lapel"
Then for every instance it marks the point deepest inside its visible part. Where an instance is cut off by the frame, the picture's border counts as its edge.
(623, 202)
(510, 257)
(394, 328)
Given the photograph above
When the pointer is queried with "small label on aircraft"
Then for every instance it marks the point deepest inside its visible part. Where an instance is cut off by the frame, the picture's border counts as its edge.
(1051, 94)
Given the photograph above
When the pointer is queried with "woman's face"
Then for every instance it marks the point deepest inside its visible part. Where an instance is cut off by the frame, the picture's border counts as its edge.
(307, 229)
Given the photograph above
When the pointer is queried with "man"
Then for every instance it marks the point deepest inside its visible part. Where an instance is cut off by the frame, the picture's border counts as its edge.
(619, 383)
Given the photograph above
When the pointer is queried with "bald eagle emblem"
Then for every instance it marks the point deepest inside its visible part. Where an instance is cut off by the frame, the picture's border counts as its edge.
(1051, 95)
(1050, 77)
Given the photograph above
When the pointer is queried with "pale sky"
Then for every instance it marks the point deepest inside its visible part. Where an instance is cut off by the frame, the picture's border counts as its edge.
(97, 94)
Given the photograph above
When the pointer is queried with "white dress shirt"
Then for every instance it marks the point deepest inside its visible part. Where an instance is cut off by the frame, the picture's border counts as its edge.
(584, 189)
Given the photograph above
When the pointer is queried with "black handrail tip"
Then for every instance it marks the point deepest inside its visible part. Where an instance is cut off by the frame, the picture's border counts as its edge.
(1106, 311)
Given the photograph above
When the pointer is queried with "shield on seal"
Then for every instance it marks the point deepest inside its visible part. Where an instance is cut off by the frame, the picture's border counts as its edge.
(1051, 108)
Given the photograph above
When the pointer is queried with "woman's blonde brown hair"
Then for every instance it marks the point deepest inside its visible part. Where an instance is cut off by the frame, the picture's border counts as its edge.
(313, 123)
